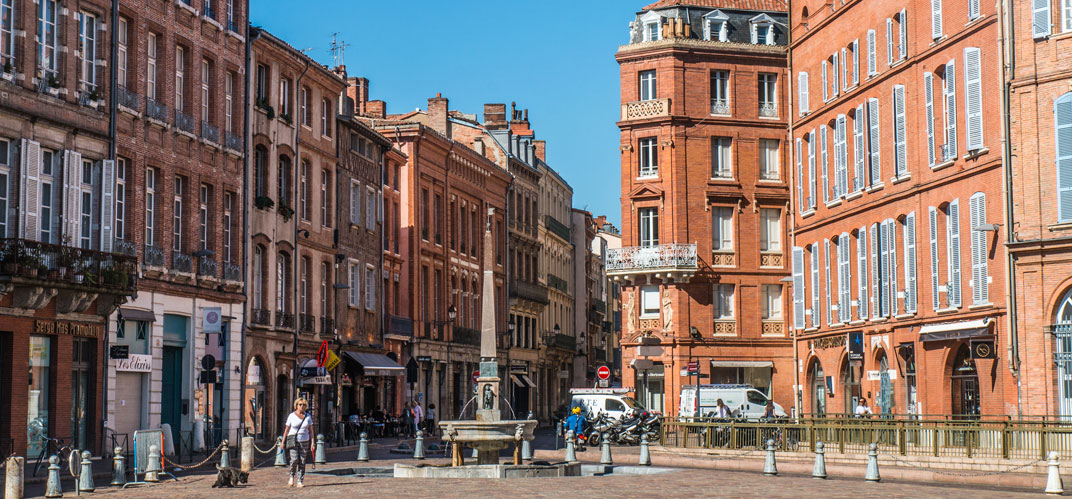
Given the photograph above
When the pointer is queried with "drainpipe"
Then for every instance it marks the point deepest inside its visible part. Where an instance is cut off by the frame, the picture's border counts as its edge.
(1008, 68)
(113, 77)
(251, 35)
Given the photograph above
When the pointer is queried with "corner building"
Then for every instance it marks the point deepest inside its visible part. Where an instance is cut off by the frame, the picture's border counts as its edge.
(898, 209)
(705, 196)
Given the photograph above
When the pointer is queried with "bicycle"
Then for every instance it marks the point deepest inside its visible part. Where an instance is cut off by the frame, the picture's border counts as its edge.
(63, 453)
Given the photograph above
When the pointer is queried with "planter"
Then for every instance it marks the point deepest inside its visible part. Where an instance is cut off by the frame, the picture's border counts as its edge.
(53, 275)
(11, 268)
(42, 272)
(79, 277)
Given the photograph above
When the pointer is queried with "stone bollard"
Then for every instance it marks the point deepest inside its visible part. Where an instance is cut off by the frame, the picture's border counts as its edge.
(246, 449)
(819, 471)
(418, 446)
(225, 455)
(604, 446)
(872, 463)
(280, 453)
(152, 468)
(119, 468)
(53, 488)
(362, 448)
(1053, 477)
(85, 479)
(13, 488)
(571, 452)
(645, 456)
(770, 467)
(321, 452)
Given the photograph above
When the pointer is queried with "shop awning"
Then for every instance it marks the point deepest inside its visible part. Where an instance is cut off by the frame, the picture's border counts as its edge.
(376, 364)
(528, 380)
(742, 363)
(517, 381)
(955, 330)
(133, 314)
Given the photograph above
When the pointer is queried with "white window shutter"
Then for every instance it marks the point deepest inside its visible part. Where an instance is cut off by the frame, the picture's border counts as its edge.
(910, 263)
(829, 304)
(755, 34)
(876, 157)
(72, 197)
(884, 274)
(979, 243)
(845, 278)
(707, 29)
(876, 272)
(811, 169)
(973, 98)
(861, 271)
(1040, 18)
(872, 63)
(800, 175)
(834, 88)
(1062, 111)
(902, 46)
(858, 146)
(107, 205)
(936, 19)
(973, 9)
(900, 141)
(951, 107)
(889, 41)
(823, 160)
(30, 190)
(815, 313)
(891, 246)
(798, 287)
(802, 84)
(932, 216)
(844, 68)
(953, 228)
(928, 105)
(856, 61)
(842, 156)
(826, 95)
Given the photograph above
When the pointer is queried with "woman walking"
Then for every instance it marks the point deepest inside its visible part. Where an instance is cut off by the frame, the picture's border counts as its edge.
(297, 441)
(407, 420)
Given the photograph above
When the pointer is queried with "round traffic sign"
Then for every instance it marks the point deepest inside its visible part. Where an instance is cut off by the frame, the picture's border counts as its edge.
(208, 362)
(603, 372)
(476, 375)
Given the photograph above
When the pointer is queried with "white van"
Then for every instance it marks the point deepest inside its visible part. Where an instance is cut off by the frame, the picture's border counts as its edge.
(742, 400)
(612, 401)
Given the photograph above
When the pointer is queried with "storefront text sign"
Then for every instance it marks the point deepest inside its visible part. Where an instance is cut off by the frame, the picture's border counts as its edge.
(67, 328)
(135, 363)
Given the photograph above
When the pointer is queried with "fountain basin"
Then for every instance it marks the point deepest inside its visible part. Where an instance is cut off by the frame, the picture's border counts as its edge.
(488, 437)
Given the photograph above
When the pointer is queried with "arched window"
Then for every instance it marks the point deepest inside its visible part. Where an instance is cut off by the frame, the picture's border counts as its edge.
(1062, 119)
(850, 386)
(1062, 332)
(885, 400)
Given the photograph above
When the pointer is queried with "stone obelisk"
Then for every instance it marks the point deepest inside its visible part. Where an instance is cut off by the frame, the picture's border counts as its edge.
(487, 384)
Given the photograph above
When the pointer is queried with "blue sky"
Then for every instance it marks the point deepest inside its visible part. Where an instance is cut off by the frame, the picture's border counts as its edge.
(554, 57)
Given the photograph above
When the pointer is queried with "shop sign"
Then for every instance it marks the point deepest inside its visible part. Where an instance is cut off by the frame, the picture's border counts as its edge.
(856, 345)
(332, 360)
(519, 368)
(424, 358)
(346, 381)
(877, 375)
(134, 362)
(211, 319)
(317, 380)
(67, 328)
(119, 351)
(563, 374)
(827, 342)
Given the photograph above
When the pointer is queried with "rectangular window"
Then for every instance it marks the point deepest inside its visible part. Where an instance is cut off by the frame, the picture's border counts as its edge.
(355, 281)
(121, 43)
(7, 32)
(720, 92)
(802, 87)
(647, 85)
(150, 71)
(823, 163)
(858, 147)
(649, 301)
(202, 216)
(856, 61)
(303, 203)
(768, 92)
(973, 98)
(206, 85)
(798, 287)
(284, 97)
(909, 239)
(723, 301)
(928, 109)
(119, 229)
(872, 64)
(46, 37)
(770, 235)
(902, 35)
(306, 118)
(325, 118)
(722, 228)
(771, 302)
(889, 41)
(87, 51)
(176, 238)
(355, 203)
(86, 216)
(325, 285)
(829, 286)
(768, 160)
(370, 288)
(816, 313)
(150, 205)
(228, 205)
(841, 157)
(325, 181)
(180, 75)
(303, 289)
(261, 88)
(800, 175)
(814, 184)
(861, 271)
(936, 19)
(228, 102)
(721, 158)
(979, 245)
(873, 143)
(649, 158)
(835, 68)
(844, 254)
(900, 157)
(973, 9)
(370, 211)
(949, 152)
(826, 81)
(425, 214)
(649, 226)
(652, 32)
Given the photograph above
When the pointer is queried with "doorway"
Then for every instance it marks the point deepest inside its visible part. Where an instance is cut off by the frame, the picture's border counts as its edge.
(818, 390)
(83, 351)
(965, 390)
(171, 391)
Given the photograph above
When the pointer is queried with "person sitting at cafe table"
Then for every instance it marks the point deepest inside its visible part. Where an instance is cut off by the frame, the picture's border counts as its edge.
(862, 409)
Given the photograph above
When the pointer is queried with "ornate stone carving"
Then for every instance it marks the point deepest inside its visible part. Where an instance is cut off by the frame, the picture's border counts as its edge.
(668, 311)
(33, 297)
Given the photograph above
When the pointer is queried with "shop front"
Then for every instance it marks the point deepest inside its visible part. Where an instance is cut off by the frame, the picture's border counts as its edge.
(372, 381)
(757, 373)
(522, 390)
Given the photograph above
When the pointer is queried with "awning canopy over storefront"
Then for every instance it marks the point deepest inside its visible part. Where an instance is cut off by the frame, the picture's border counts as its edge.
(528, 380)
(133, 314)
(955, 330)
(742, 363)
(376, 364)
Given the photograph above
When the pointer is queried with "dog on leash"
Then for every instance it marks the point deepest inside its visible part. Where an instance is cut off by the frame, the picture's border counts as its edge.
(230, 477)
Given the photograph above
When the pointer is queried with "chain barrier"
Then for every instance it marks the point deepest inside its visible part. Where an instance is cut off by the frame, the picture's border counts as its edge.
(270, 449)
(964, 474)
(164, 461)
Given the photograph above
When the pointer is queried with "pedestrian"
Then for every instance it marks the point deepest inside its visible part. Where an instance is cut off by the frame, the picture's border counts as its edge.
(721, 411)
(300, 427)
(407, 420)
(418, 416)
(862, 409)
(429, 420)
(768, 411)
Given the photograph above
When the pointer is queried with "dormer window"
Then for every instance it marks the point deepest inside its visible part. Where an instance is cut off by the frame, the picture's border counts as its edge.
(651, 25)
(651, 32)
(716, 26)
(762, 30)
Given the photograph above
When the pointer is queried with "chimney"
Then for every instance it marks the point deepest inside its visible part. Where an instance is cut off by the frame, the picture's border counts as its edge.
(437, 114)
(495, 116)
(541, 149)
(478, 145)
(340, 71)
(357, 90)
(376, 109)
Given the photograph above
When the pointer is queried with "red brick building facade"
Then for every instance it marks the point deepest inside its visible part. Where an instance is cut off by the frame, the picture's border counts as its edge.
(898, 209)
(705, 194)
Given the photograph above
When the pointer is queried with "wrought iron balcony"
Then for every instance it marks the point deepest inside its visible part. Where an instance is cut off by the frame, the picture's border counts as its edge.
(560, 341)
(53, 263)
(156, 111)
(154, 256)
(284, 320)
(181, 262)
(768, 110)
(529, 291)
(557, 227)
(327, 325)
(674, 262)
(400, 326)
(639, 110)
(127, 98)
(234, 142)
(231, 272)
(307, 323)
(720, 106)
(946, 152)
(185, 122)
(466, 336)
(558, 283)
(124, 247)
(207, 266)
(210, 132)
(261, 316)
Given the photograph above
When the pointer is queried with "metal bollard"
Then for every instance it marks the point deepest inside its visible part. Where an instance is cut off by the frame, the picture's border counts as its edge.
(418, 447)
(1054, 485)
(280, 453)
(571, 452)
(53, 488)
(604, 446)
(819, 471)
(558, 433)
(85, 478)
(13, 487)
(645, 456)
(152, 468)
(246, 449)
(362, 448)
(119, 468)
(321, 453)
(770, 467)
(225, 455)
(872, 463)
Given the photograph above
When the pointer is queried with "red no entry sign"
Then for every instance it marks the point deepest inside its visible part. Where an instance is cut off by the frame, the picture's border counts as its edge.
(603, 372)
(476, 375)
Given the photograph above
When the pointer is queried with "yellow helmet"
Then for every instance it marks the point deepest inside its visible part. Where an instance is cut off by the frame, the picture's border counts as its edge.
(576, 410)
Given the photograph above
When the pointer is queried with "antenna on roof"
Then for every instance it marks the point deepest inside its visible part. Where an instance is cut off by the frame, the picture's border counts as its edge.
(337, 49)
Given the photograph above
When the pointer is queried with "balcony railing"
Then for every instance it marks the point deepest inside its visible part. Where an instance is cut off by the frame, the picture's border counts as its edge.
(599, 306)
(154, 256)
(56, 263)
(307, 323)
(560, 341)
(207, 266)
(210, 132)
(284, 320)
(156, 111)
(644, 109)
(261, 316)
(124, 247)
(181, 262)
(127, 98)
(768, 110)
(558, 283)
(529, 291)
(327, 325)
(466, 336)
(185, 122)
(720, 106)
(401, 326)
(557, 227)
(644, 259)
(234, 142)
(231, 272)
